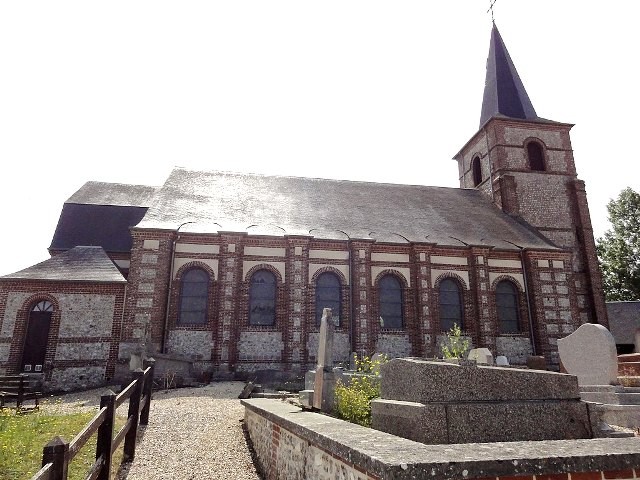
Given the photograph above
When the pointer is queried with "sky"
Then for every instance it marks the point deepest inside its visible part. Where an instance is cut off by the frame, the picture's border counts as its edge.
(368, 90)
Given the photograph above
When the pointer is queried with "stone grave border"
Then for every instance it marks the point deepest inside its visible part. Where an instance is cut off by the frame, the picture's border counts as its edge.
(298, 445)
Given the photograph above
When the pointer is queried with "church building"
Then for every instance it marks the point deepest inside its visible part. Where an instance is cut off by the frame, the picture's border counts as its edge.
(232, 270)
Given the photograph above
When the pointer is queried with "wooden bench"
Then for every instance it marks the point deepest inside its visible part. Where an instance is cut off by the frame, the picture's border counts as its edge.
(17, 388)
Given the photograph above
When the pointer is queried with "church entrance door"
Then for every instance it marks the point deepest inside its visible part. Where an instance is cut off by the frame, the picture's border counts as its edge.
(35, 344)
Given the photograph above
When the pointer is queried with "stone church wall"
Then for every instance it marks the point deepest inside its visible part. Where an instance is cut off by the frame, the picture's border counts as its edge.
(82, 346)
(226, 340)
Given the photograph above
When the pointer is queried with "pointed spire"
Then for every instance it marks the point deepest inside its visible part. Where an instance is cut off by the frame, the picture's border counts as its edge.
(504, 93)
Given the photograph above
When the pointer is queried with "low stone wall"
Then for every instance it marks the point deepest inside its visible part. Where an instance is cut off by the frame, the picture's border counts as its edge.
(291, 445)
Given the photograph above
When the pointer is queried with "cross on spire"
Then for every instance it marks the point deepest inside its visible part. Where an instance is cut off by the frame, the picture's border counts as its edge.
(491, 4)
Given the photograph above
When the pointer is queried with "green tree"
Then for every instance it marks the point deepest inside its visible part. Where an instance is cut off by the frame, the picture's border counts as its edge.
(619, 248)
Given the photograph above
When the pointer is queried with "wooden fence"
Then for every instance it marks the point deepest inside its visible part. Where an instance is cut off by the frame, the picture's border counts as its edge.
(57, 454)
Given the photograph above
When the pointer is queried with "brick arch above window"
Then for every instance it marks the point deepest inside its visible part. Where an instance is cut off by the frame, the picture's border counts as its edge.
(263, 266)
(329, 269)
(390, 271)
(452, 275)
(30, 303)
(508, 278)
(195, 264)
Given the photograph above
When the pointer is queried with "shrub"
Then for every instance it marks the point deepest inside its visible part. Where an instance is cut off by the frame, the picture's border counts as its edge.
(353, 401)
(456, 345)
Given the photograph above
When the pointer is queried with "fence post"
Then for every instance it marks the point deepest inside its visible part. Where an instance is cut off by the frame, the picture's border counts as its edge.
(148, 386)
(23, 378)
(134, 415)
(57, 452)
(105, 434)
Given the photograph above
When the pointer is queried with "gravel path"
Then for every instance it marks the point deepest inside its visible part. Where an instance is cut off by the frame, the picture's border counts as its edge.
(193, 433)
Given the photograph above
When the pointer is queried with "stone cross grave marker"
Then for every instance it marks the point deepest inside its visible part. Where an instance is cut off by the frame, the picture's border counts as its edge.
(324, 368)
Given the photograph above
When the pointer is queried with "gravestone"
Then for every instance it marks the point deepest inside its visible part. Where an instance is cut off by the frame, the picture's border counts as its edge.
(324, 385)
(502, 361)
(438, 402)
(589, 353)
(482, 356)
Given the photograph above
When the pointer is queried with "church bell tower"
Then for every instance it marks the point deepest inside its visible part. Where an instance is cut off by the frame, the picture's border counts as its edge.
(524, 163)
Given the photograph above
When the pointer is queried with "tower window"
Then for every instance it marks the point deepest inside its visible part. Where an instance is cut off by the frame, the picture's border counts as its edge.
(476, 170)
(536, 156)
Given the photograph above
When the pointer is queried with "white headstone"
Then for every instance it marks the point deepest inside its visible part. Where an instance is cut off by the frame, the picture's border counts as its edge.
(589, 353)
(502, 361)
(482, 356)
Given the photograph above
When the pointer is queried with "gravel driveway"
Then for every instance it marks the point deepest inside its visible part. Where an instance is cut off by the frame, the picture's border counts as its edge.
(192, 433)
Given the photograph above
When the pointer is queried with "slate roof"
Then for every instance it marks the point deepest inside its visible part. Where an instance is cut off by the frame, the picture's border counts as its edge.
(504, 93)
(80, 264)
(333, 209)
(624, 320)
(120, 194)
(101, 214)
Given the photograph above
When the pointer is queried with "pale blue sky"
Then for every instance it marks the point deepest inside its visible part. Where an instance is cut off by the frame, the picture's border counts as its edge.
(368, 90)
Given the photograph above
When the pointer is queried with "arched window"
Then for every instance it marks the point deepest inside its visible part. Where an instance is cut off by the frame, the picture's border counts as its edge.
(450, 305)
(476, 170)
(43, 306)
(194, 295)
(262, 298)
(328, 296)
(507, 307)
(536, 156)
(390, 302)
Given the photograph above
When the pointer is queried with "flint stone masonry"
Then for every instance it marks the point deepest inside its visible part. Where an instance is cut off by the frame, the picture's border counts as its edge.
(260, 346)
(125, 350)
(340, 346)
(76, 378)
(516, 349)
(4, 352)
(394, 345)
(14, 302)
(86, 315)
(82, 351)
(298, 445)
(590, 354)
(191, 344)
(436, 402)
(254, 367)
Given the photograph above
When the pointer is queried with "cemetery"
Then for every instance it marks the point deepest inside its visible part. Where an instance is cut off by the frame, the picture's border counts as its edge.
(464, 420)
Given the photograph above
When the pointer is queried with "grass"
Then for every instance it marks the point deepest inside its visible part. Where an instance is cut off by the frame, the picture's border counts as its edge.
(22, 437)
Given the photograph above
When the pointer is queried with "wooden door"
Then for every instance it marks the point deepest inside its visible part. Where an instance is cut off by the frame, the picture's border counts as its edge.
(35, 345)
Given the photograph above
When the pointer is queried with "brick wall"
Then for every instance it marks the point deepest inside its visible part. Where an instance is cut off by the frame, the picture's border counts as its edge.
(227, 341)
